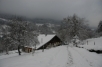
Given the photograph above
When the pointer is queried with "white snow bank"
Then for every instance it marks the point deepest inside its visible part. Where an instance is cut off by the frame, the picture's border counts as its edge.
(93, 59)
(11, 54)
(95, 43)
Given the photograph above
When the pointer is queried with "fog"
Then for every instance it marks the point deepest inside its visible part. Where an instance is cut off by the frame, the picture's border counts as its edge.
(55, 9)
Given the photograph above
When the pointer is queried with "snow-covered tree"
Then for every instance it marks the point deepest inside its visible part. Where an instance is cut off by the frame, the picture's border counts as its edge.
(44, 29)
(100, 27)
(22, 33)
(99, 30)
(7, 42)
(6, 39)
(71, 26)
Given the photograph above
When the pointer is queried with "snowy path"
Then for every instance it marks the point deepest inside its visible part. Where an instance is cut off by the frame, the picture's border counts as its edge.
(54, 57)
(78, 60)
(83, 58)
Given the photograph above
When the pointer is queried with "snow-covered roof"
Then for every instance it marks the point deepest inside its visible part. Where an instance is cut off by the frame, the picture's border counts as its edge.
(43, 39)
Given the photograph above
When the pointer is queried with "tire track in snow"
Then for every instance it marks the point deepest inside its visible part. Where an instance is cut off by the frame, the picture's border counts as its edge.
(60, 59)
(70, 59)
(52, 58)
(78, 60)
(90, 63)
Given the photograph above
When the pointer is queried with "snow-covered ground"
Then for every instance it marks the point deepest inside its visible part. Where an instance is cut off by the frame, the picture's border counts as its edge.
(54, 57)
(94, 43)
(61, 56)
(83, 58)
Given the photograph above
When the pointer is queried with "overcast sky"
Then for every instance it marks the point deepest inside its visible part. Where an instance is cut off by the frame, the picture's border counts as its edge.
(55, 9)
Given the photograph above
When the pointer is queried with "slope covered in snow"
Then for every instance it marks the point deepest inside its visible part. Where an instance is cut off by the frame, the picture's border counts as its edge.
(55, 57)
(94, 43)
(83, 58)
(62, 56)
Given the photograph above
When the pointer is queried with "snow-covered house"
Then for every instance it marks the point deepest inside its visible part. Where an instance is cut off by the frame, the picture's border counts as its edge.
(48, 41)
(45, 41)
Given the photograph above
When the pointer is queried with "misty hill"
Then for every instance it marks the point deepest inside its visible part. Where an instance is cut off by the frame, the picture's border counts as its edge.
(3, 21)
(39, 24)
(34, 20)
(43, 21)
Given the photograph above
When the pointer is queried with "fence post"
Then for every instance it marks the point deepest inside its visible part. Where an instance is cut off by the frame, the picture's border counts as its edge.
(87, 42)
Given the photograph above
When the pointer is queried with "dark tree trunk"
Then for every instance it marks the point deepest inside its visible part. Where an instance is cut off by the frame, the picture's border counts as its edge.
(7, 50)
(19, 50)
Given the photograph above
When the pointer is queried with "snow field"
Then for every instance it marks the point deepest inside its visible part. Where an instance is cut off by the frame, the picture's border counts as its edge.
(61, 56)
(54, 57)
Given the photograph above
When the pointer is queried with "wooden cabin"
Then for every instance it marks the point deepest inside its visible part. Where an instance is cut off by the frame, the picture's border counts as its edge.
(45, 42)
(53, 42)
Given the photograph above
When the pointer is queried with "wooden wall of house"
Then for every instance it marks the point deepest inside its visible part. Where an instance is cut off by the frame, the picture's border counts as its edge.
(27, 49)
(54, 42)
